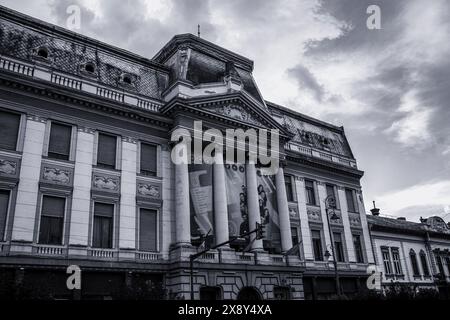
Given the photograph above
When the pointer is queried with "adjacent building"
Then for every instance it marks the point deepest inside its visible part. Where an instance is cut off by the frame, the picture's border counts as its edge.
(86, 177)
(412, 254)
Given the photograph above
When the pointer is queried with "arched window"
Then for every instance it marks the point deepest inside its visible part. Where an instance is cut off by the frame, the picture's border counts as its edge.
(423, 261)
(42, 52)
(414, 264)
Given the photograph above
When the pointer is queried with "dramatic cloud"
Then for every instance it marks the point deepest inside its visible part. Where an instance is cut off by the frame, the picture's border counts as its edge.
(388, 87)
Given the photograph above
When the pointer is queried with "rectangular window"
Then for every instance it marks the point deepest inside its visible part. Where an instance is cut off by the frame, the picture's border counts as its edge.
(148, 230)
(289, 190)
(4, 203)
(386, 261)
(358, 249)
(317, 245)
(9, 130)
(330, 192)
(350, 200)
(338, 247)
(148, 159)
(59, 144)
(396, 260)
(423, 261)
(310, 194)
(103, 225)
(294, 233)
(52, 220)
(106, 153)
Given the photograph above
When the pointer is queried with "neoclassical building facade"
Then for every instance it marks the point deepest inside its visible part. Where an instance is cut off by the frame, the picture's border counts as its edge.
(87, 179)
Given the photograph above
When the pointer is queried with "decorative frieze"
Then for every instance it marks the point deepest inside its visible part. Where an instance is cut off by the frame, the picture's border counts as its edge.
(56, 175)
(86, 129)
(129, 139)
(105, 183)
(149, 190)
(355, 220)
(8, 167)
(236, 111)
(314, 214)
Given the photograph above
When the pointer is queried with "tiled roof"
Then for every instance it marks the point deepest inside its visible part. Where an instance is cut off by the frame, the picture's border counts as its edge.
(429, 225)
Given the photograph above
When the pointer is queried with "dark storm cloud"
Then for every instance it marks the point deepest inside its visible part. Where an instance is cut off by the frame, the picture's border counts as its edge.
(125, 23)
(307, 80)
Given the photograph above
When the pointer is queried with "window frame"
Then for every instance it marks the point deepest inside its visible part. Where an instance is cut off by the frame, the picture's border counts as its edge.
(158, 231)
(64, 218)
(313, 189)
(397, 264)
(353, 200)
(387, 263)
(8, 212)
(288, 180)
(361, 247)
(320, 242)
(72, 142)
(424, 264)
(20, 130)
(158, 152)
(342, 246)
(114, 221)
(117, 162)
(414, 263)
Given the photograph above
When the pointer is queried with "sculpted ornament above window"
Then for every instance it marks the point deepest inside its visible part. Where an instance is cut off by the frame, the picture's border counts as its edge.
(236, 111)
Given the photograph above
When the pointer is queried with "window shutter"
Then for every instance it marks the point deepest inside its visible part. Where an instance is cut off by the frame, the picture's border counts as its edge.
(9, 130)
(148, 159)
(350, 200)
(53, 206)
(106, 155)
(147, 230)
(59, 144)
(4, 200)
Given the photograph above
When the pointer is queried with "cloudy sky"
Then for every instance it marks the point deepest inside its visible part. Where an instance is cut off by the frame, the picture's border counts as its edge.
(390, 88)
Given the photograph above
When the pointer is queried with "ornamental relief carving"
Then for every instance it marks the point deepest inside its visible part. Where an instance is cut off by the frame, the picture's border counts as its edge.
(293, 213)
(355, 220)
(106, 183)
(56, 175)
(8, 167)
(149, 190)
(236, 111)
(314, 214)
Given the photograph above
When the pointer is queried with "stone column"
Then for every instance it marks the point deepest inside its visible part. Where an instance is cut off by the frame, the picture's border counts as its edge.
(28, 188)
(127, 221)
(253, 203)
(283, 211)
(304, 222)
(346, 224)
(322, 196)
(220, 200)
(81, 197)
(365, 227)
(182, 207)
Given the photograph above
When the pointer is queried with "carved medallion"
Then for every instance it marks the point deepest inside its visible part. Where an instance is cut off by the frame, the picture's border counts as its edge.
(8, 166)
(148, 190)
(56, 175)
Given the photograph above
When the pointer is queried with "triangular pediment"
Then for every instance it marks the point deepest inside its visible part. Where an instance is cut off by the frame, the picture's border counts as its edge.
(239, 108)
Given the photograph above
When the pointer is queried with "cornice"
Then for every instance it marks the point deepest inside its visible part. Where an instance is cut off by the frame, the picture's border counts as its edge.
(36, 87)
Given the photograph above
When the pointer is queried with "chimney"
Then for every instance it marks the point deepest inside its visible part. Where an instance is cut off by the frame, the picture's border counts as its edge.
(375, 211)
(401, 218)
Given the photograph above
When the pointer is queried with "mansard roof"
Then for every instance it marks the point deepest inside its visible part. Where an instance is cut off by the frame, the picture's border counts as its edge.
(21, 36)
(430, 225)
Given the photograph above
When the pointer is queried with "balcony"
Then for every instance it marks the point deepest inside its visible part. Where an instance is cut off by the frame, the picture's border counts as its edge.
(49, 250)
(102, 253)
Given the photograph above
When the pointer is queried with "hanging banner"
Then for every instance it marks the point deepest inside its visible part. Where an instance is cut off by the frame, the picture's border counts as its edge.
(267, 195)
(201, 196)
(236, 199)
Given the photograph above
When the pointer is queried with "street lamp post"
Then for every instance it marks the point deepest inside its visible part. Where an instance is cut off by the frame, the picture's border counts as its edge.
(330, 204)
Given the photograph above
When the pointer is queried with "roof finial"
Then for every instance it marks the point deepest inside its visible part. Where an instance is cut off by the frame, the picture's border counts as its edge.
(374, 206)
(198, 30)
